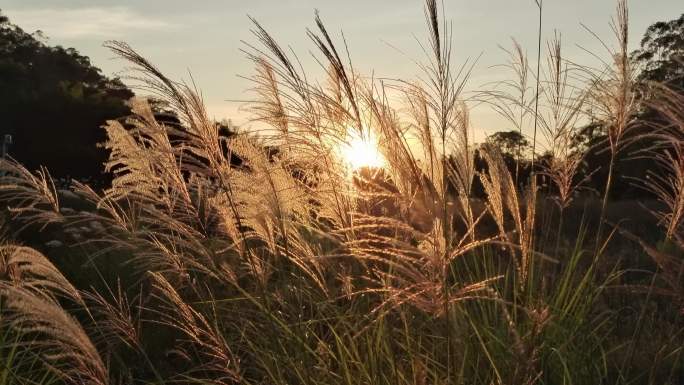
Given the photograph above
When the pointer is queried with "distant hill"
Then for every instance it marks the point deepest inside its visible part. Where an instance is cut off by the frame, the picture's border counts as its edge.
(53, 102)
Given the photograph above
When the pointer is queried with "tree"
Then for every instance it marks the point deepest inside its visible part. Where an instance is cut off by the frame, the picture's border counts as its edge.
(53, 102)
(662, 52)
(511, 143)
(661, 60)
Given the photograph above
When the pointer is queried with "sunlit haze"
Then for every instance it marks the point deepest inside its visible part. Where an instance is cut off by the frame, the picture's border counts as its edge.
(361, 151)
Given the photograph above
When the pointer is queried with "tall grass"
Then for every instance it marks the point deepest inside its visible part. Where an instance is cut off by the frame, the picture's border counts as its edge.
(613, 96)
(268, 259)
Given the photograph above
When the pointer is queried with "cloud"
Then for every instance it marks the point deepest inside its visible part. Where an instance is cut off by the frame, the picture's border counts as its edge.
(93, 22)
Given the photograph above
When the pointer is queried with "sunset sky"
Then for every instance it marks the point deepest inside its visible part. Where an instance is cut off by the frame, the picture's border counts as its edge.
(204, 37)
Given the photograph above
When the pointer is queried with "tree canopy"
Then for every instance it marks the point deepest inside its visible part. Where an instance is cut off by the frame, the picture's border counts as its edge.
(511, 143)
(662, 52)
(53, 102)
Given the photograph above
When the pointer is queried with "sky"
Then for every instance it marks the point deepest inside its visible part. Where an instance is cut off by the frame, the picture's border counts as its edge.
(204, 37)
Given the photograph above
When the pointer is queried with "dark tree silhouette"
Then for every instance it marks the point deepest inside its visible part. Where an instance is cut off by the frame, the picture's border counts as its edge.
(511, 143)
(53, 102)
(662, 52)
(661, 59)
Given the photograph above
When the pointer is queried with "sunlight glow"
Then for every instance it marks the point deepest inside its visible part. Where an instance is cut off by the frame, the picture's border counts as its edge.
(361, 151)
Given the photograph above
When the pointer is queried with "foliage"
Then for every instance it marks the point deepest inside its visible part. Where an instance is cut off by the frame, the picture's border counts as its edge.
(662, 52)
(658, 60)
(511, 143)
(57, 95)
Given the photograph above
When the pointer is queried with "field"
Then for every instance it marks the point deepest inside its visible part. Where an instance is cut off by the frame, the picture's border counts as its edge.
(362, 237)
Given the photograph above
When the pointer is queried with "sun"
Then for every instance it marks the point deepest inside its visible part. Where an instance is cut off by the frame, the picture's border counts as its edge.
(361, 151)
